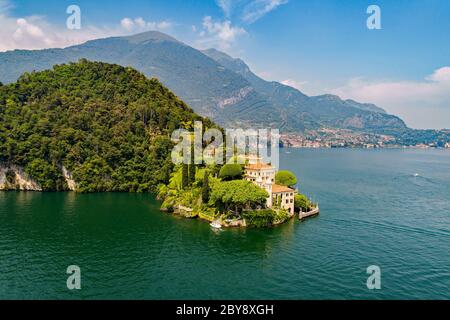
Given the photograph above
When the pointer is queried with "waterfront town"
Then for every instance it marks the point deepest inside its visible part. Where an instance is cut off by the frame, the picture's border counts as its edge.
(342, 138)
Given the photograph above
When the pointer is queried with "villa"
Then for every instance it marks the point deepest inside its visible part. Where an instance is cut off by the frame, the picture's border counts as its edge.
(263, 175)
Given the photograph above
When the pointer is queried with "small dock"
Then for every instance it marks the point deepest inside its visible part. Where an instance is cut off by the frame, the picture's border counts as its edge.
(312, 213)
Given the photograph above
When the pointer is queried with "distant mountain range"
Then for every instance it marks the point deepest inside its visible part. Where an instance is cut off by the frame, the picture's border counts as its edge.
(214, 84)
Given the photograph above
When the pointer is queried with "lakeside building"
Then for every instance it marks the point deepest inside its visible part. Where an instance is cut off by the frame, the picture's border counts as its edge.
(263, 175)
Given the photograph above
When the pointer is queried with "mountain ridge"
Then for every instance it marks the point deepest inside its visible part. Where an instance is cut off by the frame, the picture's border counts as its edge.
(213, 83)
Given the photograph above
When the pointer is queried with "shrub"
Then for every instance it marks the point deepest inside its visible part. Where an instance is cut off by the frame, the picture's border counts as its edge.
(302, 202)
(282, 216)
(200, 175)
(259, 218)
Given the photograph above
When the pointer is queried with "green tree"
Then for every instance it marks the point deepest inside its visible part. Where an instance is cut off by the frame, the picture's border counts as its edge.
(47, 175)
(184, 176)
(200, 176)
(285, 178)
(192, 171)
(192, 166)
(237, 195)
(231, 172)
(302, 202)
(205, 188)
(259, 218)
(108, 125)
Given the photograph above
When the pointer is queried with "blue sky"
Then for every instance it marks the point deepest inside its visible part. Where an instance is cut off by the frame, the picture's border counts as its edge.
(317, 46)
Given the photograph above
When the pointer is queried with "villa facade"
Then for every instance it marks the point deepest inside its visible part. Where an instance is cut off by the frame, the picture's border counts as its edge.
(263, 175)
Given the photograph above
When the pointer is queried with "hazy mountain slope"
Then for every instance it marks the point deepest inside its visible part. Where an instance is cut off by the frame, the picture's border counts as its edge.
(312, 112)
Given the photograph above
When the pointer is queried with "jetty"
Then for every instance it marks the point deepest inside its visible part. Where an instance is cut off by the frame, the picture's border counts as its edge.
(312, 213)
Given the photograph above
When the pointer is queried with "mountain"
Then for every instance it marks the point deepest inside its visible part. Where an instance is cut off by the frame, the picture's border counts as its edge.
(304, 112)
(88, 126)
(214, 84)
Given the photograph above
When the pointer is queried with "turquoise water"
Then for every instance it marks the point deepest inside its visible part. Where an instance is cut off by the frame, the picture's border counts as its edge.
(374, 211)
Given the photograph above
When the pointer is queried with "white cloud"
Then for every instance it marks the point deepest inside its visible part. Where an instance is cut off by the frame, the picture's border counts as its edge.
(226, 6)
(140, 25)
(34, 32)
(219, 34)
(257, 9)
(249, 10)
(127, 24)
(422, 104)
(294, 84)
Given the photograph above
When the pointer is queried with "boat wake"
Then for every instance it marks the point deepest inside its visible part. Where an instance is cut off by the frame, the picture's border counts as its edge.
(416, 179)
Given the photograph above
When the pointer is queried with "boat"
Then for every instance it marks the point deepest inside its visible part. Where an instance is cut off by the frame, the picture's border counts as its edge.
(216, 224)
(416, 175)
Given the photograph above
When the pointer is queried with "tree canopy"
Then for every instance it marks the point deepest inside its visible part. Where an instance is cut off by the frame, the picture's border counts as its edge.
(237, 195)
(108, 125)
(285, 178)
(302, 202)
(231, 172)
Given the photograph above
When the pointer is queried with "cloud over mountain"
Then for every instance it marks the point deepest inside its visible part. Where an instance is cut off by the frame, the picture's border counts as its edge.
(411, 99)
(220, 34)
(35, 32)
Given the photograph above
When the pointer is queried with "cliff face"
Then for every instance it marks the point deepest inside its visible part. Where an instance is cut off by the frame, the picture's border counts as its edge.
(14, 178)
(71, 184)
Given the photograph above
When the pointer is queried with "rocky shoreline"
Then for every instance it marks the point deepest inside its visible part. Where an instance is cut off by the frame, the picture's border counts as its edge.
(14, 178)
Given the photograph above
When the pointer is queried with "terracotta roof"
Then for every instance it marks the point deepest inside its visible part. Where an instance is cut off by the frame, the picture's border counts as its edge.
(258, 166)
(276, 188)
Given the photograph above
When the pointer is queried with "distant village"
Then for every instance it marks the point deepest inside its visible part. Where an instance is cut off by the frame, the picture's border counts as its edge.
(342, 138)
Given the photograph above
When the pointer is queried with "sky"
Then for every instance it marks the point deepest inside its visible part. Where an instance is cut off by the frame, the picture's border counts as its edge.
(316, 46)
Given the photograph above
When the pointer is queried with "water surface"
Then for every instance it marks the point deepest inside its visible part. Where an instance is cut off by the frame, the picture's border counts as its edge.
(375, 210)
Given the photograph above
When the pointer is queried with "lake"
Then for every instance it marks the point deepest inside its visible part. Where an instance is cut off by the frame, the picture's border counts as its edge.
(389, 208)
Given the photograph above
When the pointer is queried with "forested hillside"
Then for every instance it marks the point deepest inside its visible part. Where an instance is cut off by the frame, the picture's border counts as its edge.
(108, 125)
